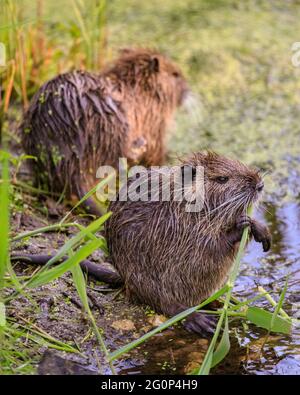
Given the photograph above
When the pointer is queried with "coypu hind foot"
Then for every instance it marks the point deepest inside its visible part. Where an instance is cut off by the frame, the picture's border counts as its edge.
(200, 323)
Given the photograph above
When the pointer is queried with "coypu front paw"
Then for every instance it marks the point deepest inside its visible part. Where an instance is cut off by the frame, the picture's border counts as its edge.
(200, 323)
(259, 231)
(261, 234)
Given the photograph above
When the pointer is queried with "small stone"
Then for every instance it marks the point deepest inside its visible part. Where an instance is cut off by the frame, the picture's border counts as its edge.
(123, 325)
(157, 320)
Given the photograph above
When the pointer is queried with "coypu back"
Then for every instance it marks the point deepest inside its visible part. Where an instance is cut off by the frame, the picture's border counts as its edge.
(79, 121)
(70, 123)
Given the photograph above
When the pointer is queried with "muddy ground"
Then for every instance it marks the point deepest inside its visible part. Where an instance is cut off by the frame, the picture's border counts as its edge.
(56, 309)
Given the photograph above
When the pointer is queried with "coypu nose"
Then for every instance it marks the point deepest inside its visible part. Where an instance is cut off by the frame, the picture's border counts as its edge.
(260, 186)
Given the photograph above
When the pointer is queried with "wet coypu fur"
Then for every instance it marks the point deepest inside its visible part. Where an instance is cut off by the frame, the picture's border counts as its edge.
(172, 259)
(79, 121)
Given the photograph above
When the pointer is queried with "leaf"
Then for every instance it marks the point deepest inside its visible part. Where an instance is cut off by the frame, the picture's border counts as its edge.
(2, 314)
(208, 359)
(4, 215)
(279, 304)
(88, 195)
(263, 319)
(93, 227)
(79, 281)
(53, 273)
(223, 347)
(206, 364)
(40, 338)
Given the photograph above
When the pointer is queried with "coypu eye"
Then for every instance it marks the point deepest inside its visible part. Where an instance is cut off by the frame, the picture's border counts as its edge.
(175, 74)
(222, 179)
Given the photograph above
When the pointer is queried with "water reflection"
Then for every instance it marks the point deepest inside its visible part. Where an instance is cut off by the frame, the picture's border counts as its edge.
(281, 353)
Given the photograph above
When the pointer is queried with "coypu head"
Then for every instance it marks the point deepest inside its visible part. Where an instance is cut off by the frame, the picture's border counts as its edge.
(230, 186)
(150, 71)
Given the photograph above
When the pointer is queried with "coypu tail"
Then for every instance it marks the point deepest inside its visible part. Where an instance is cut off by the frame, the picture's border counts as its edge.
(101, 273)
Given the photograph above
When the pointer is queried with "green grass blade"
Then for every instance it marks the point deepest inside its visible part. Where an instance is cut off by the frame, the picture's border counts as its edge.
(51, 274)
(269, 298)
(2, 315)
(279, 304)
(263, 319)
(223, 347)
(44, 229)
(79, 282)
(88, 195)
(207, 361)
(4, 216)
(80, 285)
(42, 340)
(90, 229)
(206, 364)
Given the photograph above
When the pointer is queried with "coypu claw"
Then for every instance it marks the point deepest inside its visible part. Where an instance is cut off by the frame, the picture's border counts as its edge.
(202, 324)
(259, 231)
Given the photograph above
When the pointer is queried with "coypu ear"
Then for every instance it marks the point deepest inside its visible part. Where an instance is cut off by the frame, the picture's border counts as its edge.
(154, 64)
(125, 51)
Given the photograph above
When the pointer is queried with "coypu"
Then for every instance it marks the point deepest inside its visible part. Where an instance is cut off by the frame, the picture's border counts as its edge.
(172, 259)
(79, 121)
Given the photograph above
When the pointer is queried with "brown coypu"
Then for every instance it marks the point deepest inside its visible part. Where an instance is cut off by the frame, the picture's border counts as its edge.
(172, 259)
(79, 121)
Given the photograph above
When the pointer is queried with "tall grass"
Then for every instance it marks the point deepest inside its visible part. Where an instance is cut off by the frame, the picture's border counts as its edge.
(78, 248)
(34, 55)
(4, 239)
(91, 20)
(13, 358)
(4, 217)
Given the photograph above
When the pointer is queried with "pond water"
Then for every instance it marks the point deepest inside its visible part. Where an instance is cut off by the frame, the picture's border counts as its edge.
(282, 353)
